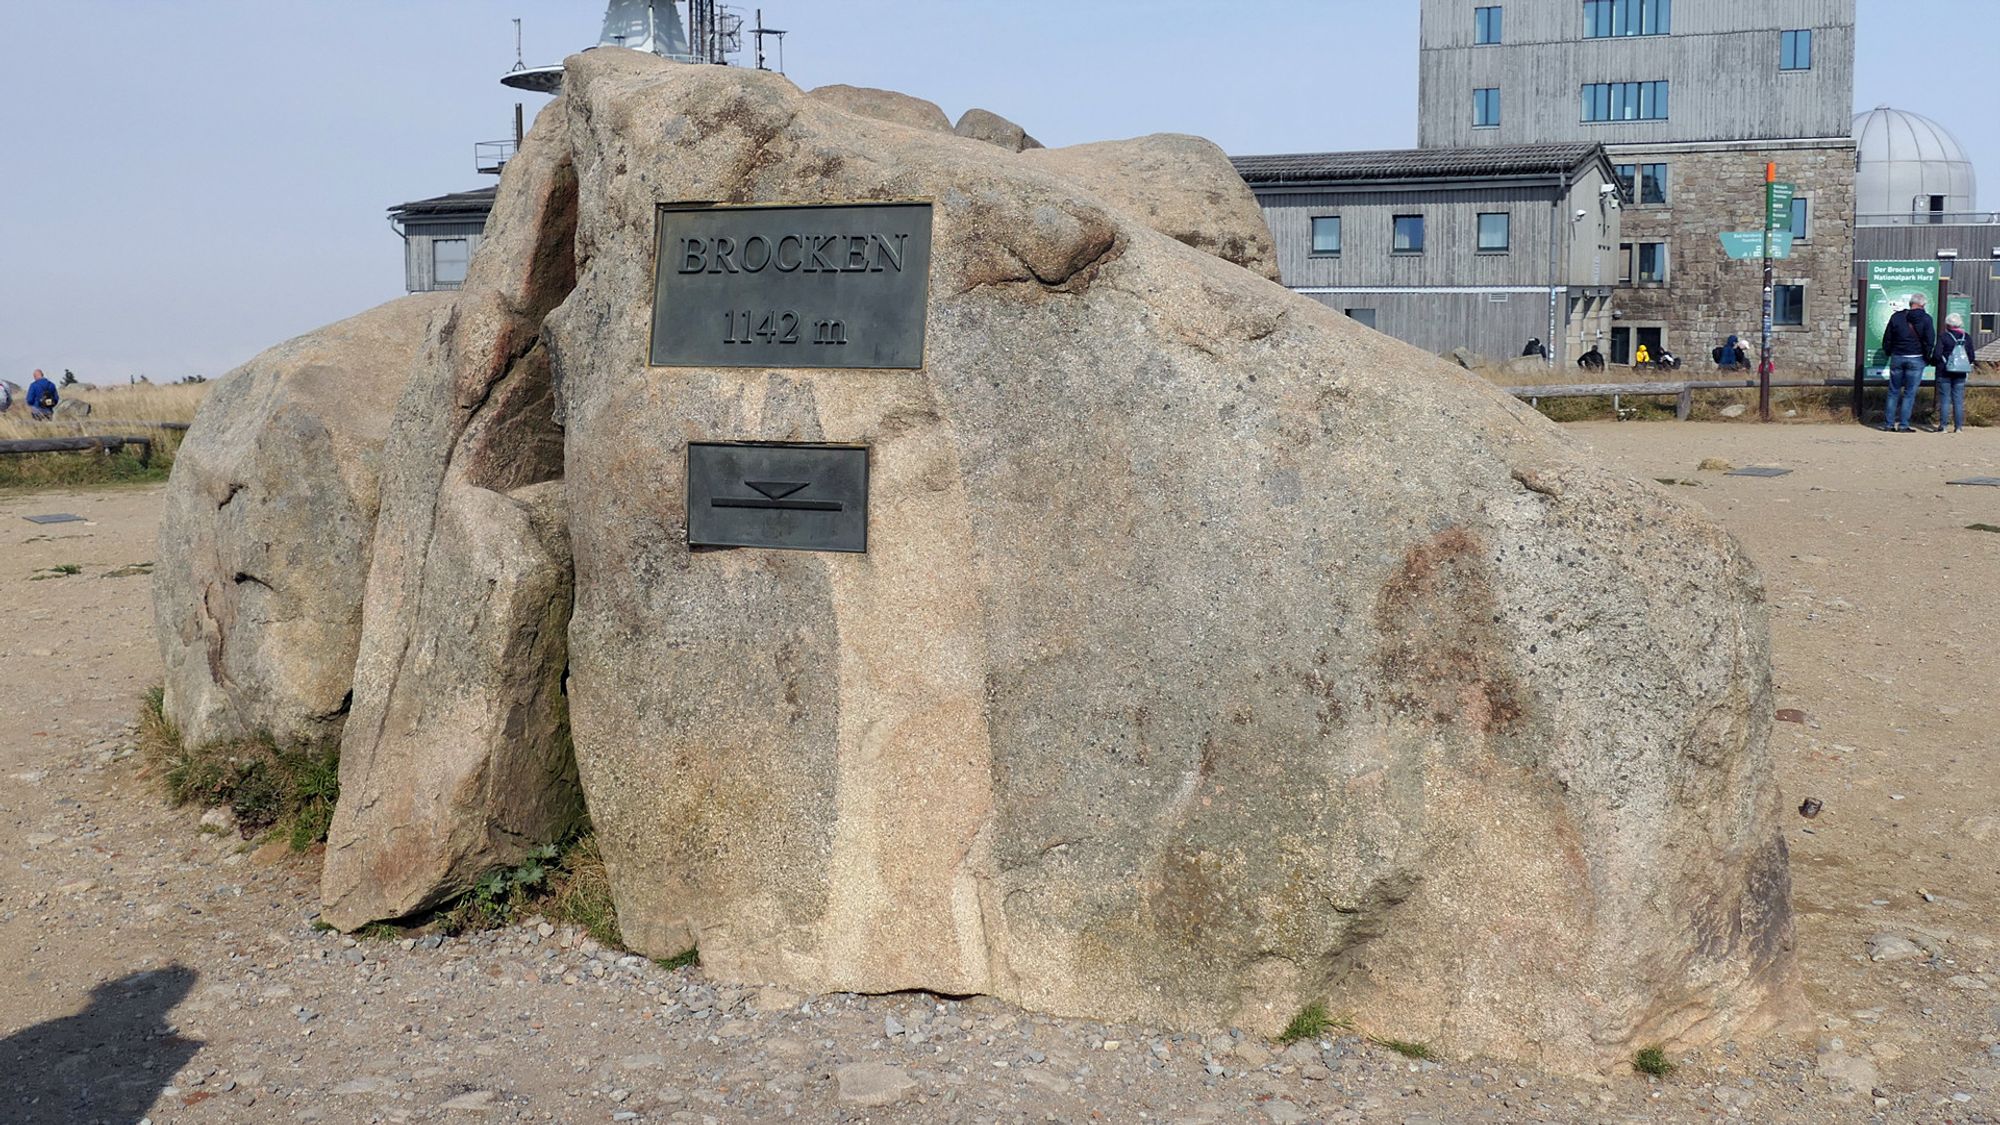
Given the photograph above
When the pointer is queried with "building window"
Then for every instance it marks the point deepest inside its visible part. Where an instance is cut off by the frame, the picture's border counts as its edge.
(1326, 234)
(1493, 232)
(1645, 183)
(1644, 263)
(1652, 183)
(1788, 304)
(1795, 50)
(1989, 323)
(1605, 18)
(1801, 227)
(448, 261)
(1362, 316)
(1625, 101)
(1624, 263)
(1486, 108)
(1652, 339)
(1409, 234)
(1486, 25)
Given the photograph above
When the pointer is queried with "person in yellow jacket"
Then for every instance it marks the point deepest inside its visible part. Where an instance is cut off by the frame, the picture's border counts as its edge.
(1643, 357)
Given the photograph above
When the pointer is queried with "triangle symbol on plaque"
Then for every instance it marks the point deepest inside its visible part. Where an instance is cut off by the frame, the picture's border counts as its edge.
(776, 489)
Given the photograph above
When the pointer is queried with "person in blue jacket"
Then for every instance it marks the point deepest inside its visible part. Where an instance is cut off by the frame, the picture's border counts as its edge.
(42, 397)
(1910, 341)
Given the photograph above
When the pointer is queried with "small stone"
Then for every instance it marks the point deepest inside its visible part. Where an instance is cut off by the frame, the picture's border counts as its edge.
(1282, 1112)
(1112, 1044)
(221, 818)
(367, 1084)
(1315, 1072)
(79, 887)
(1968, 983)
(1253, 1053)
(891, 1026)
(873, 1084)
(1892, 947)
(472, 1101)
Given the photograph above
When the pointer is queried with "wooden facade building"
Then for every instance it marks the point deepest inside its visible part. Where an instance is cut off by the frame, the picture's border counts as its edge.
(1482, 248)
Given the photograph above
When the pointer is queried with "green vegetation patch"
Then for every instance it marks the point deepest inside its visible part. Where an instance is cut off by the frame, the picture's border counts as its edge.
(564, 882)
(288, 791)
(1653, 1061)
(1311, 1023)
(1407, 1048)
(688, 958)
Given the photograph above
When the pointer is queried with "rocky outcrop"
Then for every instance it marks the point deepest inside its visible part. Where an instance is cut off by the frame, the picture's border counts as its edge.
(884, 105)
(1184, 187)
(266, 529)
(457, 757)
(1210, 655)
(985, 125)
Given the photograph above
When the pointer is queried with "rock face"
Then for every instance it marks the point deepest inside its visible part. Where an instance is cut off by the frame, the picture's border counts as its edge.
(1183, 187)
(884, 105)
(1210, 655)
(267, 526)
(457, 758)
(72, 408)
(985, 125)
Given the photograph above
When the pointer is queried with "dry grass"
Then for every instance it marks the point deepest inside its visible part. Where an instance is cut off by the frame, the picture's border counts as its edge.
(113, 410)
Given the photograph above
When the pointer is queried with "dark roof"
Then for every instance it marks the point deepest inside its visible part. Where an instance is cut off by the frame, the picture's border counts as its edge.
(1415, 163)
(457, 203)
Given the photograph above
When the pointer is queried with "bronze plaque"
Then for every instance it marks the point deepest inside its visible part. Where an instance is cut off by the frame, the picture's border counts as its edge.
(843, 285)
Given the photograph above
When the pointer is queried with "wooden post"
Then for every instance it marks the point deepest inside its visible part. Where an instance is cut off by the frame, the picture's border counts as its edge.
(1684, 404)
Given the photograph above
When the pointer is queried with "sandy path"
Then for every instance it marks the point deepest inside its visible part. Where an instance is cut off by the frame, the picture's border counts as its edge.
(148, 970)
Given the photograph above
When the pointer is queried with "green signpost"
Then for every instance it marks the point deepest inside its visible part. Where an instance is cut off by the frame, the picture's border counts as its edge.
(1890, 287)
(1742, 244)
(1778, 206)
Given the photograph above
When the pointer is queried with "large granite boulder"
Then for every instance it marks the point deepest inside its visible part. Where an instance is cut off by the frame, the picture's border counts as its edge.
(267, 525)
(457, 757)
(884, 105)
(1183, 187)
(1210, 654)
(985, 125)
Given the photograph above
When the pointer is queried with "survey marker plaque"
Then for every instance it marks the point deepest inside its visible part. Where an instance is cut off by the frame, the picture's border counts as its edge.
(793, 497)
(844, 285)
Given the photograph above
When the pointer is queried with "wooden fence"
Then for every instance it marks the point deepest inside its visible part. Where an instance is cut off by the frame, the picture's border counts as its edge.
(1683, 391)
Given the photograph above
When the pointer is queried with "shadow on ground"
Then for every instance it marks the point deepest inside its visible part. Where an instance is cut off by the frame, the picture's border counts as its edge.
(106, 1064)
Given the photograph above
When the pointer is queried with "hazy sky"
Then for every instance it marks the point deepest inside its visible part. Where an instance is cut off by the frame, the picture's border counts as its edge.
(193, 181)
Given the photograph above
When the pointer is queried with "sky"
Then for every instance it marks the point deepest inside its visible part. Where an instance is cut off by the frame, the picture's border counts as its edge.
(190, 182)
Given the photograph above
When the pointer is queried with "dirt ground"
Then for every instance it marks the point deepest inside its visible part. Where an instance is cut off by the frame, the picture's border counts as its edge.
(149, 971)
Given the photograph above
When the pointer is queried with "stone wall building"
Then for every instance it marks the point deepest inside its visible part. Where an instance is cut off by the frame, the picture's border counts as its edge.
(1691, 98)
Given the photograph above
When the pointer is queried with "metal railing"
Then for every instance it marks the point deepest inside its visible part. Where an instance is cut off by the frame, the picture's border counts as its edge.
(1927, 218)
(492, 156)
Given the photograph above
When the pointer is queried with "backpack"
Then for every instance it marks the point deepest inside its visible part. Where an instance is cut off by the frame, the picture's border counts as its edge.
(1957, 362)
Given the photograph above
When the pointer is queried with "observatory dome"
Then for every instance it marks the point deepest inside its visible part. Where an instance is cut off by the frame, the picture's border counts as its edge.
(1905, 163)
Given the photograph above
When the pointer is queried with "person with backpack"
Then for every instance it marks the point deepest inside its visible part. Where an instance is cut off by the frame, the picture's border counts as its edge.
(42, 397)
(1909, 341)
(1954, 360)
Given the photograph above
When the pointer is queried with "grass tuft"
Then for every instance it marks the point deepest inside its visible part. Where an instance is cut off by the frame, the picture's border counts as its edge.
(1311, 1023)
(565, 883)
(1653, 1061)
(379, 931)
(1408, 1048)
(689, 958)
(289, 790)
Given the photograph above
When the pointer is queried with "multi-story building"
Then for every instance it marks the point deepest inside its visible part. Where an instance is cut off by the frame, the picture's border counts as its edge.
(1690, 98)
(1481, 248)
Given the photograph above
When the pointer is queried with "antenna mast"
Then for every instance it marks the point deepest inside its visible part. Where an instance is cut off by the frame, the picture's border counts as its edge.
(758, 33)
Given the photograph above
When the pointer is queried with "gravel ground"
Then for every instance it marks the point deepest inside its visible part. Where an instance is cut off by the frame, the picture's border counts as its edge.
(156, 971)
